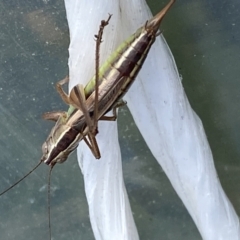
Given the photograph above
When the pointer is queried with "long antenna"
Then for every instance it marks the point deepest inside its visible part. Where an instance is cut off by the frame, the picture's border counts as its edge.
(49, 203)
(21, 179)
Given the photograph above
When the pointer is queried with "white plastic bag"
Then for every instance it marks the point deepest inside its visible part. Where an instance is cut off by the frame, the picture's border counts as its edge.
(172, 130)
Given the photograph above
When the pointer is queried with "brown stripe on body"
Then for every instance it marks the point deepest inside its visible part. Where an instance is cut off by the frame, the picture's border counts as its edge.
(121, 73)
(63, 145)
(127, 67)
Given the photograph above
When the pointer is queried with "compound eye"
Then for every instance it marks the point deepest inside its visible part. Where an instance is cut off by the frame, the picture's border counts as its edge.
(44, 148)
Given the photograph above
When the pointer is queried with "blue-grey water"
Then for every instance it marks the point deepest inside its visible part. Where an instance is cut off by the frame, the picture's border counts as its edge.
(205, 39)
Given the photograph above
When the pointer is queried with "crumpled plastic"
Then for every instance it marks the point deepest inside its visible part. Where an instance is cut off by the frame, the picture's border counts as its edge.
(160, 108)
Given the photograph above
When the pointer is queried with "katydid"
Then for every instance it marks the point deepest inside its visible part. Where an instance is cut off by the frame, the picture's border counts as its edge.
(102, 94)
(114, 78)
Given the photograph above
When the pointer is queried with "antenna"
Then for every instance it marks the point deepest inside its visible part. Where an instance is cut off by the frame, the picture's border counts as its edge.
(21, 179)
(49, 202)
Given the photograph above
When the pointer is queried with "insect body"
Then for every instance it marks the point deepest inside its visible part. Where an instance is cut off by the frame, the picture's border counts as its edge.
(114, 78)
(102, 94)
